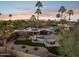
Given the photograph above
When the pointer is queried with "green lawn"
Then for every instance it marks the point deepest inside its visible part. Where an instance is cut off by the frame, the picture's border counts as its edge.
(30, 43)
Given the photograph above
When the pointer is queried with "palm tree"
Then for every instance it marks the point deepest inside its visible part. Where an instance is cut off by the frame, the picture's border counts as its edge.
(33, 18)
(39, 4)
(5, 32)
(10, 15)
(0, 14)
(58, 16)
(6, 35)
(62, 10)
(38, 12)
(70, 12)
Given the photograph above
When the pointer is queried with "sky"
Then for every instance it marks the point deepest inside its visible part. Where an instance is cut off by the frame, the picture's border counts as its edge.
(25, 9)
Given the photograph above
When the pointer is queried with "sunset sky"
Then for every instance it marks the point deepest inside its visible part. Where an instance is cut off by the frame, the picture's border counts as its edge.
(24, 9)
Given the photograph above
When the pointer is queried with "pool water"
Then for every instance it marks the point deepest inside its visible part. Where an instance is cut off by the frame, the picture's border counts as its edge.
(42, 37)
(48, 37)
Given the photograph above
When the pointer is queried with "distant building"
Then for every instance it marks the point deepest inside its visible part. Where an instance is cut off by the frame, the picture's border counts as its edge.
(66, 26)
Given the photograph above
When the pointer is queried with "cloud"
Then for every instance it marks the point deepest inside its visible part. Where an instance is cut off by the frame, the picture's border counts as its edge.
(46, 14)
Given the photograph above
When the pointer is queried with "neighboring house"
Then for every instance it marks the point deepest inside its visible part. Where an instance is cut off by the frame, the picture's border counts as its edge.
(65, 26)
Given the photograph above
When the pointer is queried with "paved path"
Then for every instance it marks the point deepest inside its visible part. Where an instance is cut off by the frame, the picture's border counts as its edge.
(43, 52)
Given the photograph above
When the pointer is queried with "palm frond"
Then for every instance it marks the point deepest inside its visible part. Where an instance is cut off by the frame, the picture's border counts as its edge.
(38, 4)
(38, 11)
(70, 12)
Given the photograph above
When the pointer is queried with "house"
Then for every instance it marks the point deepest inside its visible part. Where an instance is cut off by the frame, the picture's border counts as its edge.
(65, 26)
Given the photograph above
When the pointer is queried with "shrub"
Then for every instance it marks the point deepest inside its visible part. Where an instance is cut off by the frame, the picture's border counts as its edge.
(13, 36)
(53, 50)
(27, 51)
(35, 48)
(23, 46)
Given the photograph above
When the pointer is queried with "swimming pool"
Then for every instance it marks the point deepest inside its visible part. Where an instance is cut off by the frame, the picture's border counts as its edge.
(47, 37)
(42, 37)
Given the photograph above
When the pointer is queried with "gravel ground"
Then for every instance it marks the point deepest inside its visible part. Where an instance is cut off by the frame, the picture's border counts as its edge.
(43, 52)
